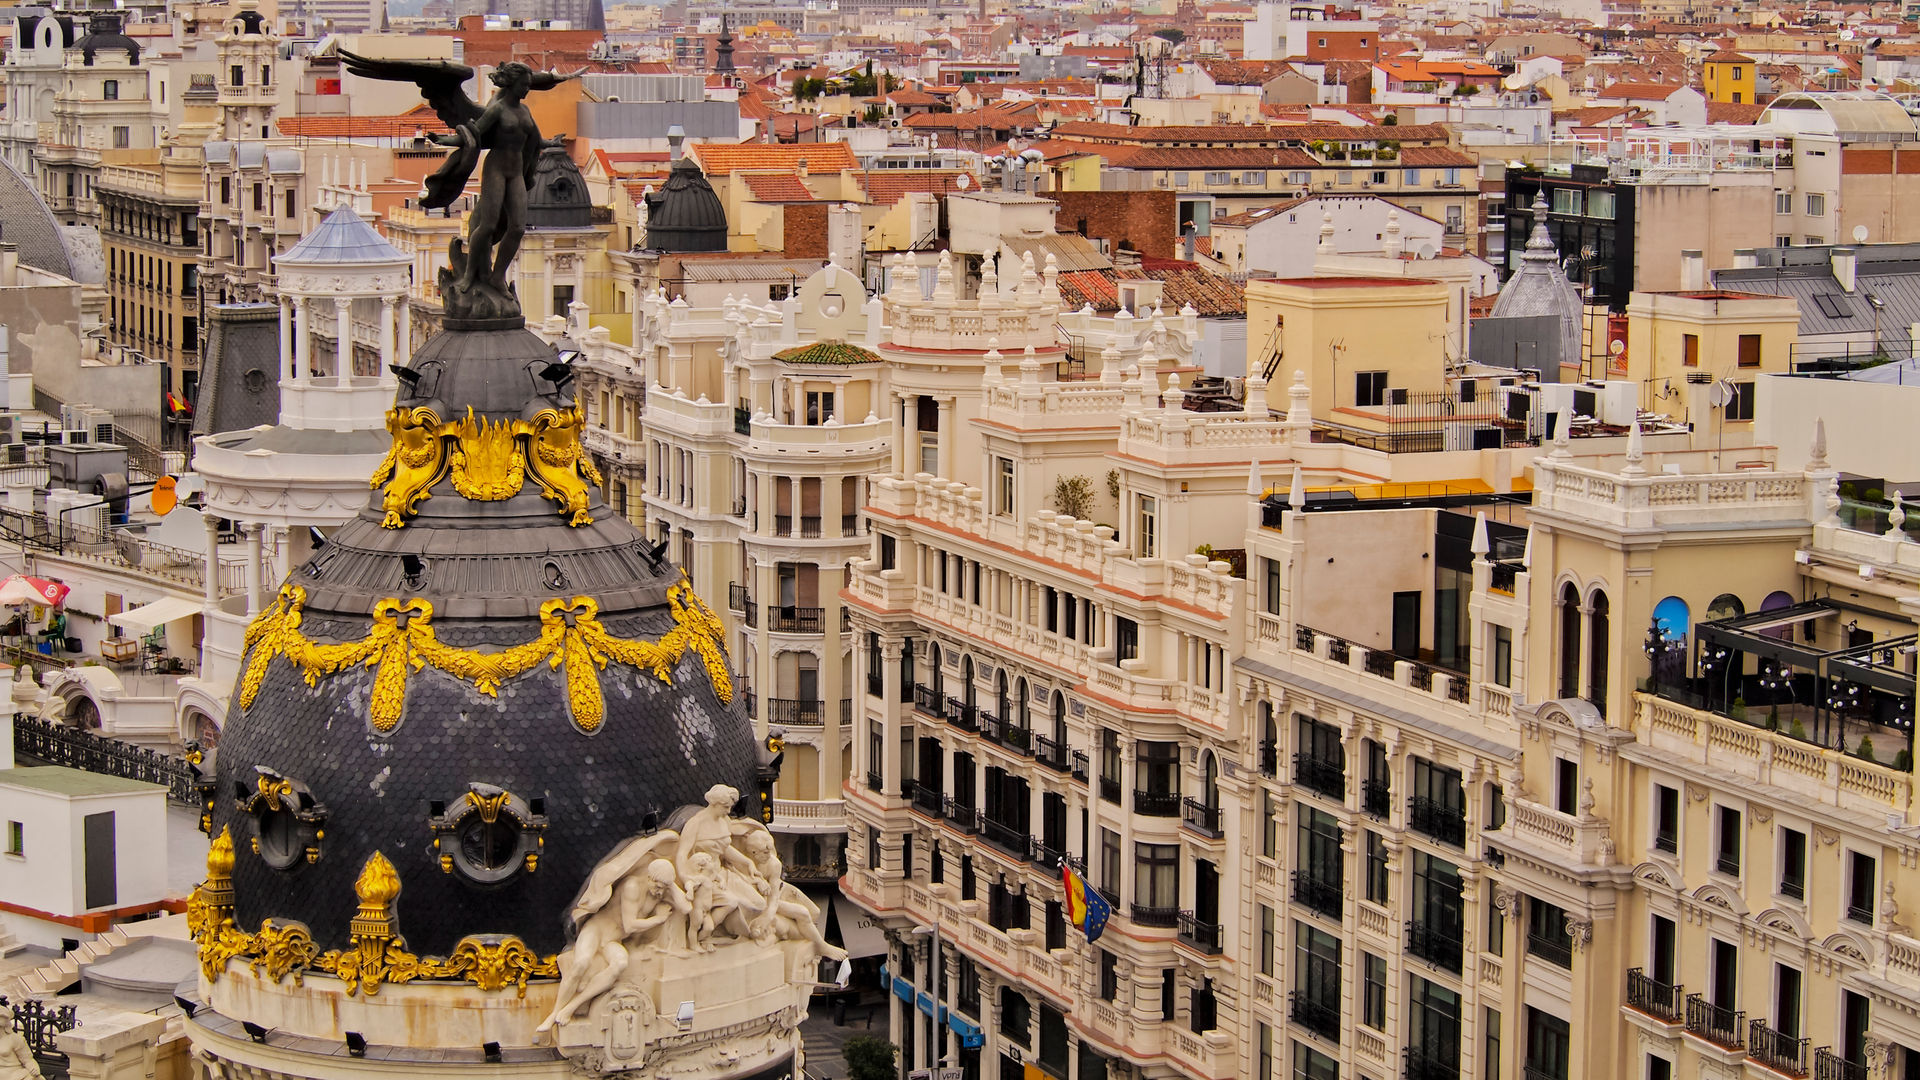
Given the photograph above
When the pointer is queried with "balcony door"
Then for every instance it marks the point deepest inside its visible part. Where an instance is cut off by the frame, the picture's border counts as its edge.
(1434, 1024)
(1206, 891)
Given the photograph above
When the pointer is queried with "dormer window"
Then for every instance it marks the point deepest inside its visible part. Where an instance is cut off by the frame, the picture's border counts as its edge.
(110, 90)
(287, 819)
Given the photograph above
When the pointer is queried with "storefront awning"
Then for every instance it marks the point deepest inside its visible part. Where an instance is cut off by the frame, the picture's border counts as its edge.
(859, 931)
(143, 619)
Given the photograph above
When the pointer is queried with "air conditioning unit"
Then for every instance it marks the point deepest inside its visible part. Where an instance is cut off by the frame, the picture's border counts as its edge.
(1366, 183)
(1237, 181)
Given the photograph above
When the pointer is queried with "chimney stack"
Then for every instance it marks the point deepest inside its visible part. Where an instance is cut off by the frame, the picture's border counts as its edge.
(1745, 259)
(1693, 270)
(1845, 267)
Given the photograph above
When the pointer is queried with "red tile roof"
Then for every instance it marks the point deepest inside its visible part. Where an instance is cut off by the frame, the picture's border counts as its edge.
(1435, 157)
(888, 186)
(776, 187)
(1206, 157)
(404, 126)
(1633, 91)
(733, 157)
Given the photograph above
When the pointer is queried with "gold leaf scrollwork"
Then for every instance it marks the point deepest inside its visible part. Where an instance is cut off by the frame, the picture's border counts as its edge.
(415, 462)
(561, 464)
(280, 949)
(485, 458)
(495, 964)
(488, 460)
(402, 641)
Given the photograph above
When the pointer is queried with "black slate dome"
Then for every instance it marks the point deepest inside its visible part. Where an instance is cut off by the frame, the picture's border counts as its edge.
(558, 198)
(429, 691)
(104, 32)
(685, 214)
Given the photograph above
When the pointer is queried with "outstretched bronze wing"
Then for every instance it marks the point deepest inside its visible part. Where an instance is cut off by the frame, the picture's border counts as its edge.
(441, 83)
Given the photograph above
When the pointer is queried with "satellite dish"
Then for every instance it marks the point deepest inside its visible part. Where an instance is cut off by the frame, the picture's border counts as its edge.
(963, 181)
(1425, 251)
(1859, 234)
(1616, 347)
(164, 497)
(1720, 394)
(1847, 34)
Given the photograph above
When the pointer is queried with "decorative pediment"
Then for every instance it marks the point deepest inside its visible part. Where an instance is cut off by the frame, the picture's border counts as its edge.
(1718, 897)
(1790, 923)
(1849, 947)
(1653, 873)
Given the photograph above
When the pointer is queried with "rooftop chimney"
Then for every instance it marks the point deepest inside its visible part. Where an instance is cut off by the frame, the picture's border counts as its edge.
(1745, 259)
(676, 142)
(1845, 264)
(1693, 270)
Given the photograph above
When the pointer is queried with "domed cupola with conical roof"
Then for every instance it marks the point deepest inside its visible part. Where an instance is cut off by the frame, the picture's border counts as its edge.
(685, 214)
(558, 197)
(104, 33)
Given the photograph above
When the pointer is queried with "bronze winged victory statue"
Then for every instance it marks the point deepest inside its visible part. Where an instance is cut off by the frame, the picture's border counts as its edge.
(474, 286)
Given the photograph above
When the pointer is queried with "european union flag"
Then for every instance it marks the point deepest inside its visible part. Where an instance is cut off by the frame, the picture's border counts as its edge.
(1086, 908)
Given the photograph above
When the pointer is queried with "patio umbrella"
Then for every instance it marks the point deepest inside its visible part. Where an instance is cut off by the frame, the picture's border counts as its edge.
(20, 589)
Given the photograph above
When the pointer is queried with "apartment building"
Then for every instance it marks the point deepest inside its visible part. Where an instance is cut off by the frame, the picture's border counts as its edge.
(150, 229)
(1381, 780)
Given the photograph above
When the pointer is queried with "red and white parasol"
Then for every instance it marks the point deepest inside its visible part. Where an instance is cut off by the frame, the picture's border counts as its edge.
(20, 589)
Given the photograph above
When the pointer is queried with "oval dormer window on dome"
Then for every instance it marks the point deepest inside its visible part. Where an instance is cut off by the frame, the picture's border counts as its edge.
(488, 835)
(288, 823)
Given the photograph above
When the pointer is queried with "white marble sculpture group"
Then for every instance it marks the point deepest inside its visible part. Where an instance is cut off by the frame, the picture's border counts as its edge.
(660, 904)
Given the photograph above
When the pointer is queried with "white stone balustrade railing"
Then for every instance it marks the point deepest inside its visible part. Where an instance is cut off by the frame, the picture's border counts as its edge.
(1658, 499)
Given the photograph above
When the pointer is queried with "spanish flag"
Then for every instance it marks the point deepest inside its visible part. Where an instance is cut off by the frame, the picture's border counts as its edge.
(1086, 908)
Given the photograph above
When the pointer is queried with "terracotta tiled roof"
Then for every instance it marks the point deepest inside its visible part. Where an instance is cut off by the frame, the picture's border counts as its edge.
(733, 157)
(1244, 72)
(1183, 283)
(404, 126)
(1242, 133)
(1434, 157)
(1719, 112)
(1728, 56)
(888, 186)
(776, 187)
(1598, 114)
(1206, 157)
(1636, 91)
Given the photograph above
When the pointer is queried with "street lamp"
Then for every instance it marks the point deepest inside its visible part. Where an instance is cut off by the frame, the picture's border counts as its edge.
(938, 976)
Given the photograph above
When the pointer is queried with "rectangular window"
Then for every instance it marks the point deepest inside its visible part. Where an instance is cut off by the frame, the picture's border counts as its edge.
(1549, 1042)
(1816, 205)
(1860, 871)
(1783, 202)
(1786, 1001)
(1492, 1029)
(290, 210)
(1377, 877)
(1437, 915)
(1110, 862)
(1316, 980)
(1666, 819)
(110, 90)
(1146, 538)
(1180, 179)
(1433, 1030)
(1369, 389)
(1793, 863)
(1253, 179)
(1373, 991)
(1003, 484)
(1263, 1067)
(1156, 878)
(819, 407)
(1267, 943)
(1503, 656)
(1126, 639)
(259, 197)
(1320, 858)
(1378, 176)
(1690, 350)
(1169, 994)
(1547, 936)
(1662, 958)
(1566, 787)
(16, 838)
(237, 75)
(1109, 976)
(1566, 201)
(1740, 406)
(1600, 205)
(1219, 178)
(1727, 841)
(122, 139)
(1749, 350)
(1311, 1064)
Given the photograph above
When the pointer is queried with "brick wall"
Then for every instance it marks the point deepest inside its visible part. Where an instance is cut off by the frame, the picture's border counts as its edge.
(1145, 220)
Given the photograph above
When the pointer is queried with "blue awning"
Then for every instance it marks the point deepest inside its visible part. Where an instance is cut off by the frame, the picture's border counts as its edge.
(969, 1032)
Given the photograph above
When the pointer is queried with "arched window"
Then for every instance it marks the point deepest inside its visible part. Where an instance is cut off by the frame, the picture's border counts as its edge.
(1569, 641)
(1725, 606)
(1000, 694)
(1667, 643)
(907, 678)
(1060, 720)
(1021, 715)
(1597, 656)
(966, 682)
(935, 678)
(1776, 600)
(1210, 780)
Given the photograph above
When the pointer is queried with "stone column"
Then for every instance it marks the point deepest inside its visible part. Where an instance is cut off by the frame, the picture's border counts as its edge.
(343, 352)
(253, 568)
(945, 453)
(212, 523)
(303, 340)
(286, 336)
(386, 337)
(406, 329)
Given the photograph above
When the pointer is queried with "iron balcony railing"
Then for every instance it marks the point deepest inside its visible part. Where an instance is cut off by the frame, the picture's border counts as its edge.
(796, 711)
(1447, 824)
(1050, 753)
(1017, 739)
(1420, 1063)
(1110, 789)
(738, 598)
(1653, 997)
(77, 748)
(1323, 775)
(962, 715)
(927, 700)
(1714, 1023)
(1437, 945)
(751, 613)
(1376, 798)
(876, 684)
(846, 710)
(1828, 1065)
(1325, 897)
(928, 800)
(1269, 758)
(1556, 949)
(991, 726)
(742, 421)
(875, 782)
(1005, 837)
(1199, 933)
(796, 620)
(1542, 1072)
(1777, 1051)
(1157, 803)
(1047, 856)
(1080, 765)
(1200, 817)
(1316, 1016)
(1144, 915)
(962, 816)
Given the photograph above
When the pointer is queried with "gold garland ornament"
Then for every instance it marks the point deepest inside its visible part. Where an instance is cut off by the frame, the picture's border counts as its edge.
(487, 460)
(402, 641)
(377, 955)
